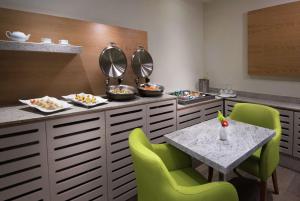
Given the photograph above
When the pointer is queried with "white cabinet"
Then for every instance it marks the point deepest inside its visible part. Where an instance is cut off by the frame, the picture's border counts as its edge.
(189, 116)
(77, 158)
(211, 109)
(297, 135)
(23, 163)
(119, 124)
(287, 126)
(228, 107)
(198, 113)
(161, 119)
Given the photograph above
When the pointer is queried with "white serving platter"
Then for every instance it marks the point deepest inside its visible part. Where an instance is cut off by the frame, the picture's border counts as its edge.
(223, 95)
(99, 100)
(63, 105)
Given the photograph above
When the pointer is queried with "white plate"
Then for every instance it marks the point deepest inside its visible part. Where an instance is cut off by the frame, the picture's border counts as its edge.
(99, 100)
(63, 104)
(226, 95)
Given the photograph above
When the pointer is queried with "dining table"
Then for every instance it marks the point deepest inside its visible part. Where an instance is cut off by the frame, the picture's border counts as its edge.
(202, 142)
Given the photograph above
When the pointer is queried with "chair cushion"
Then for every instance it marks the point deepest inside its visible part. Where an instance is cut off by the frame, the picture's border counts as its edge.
(187, 177)
(251, 165)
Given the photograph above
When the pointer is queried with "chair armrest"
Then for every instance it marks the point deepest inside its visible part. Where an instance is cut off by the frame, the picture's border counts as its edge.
(269, 158)
(172, 157)
(215, 191)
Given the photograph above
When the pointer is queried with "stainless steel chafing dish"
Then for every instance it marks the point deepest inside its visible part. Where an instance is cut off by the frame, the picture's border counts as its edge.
(113, 64)
(142, 66)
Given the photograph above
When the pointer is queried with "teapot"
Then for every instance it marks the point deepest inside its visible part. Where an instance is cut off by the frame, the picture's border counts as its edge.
(17, 36)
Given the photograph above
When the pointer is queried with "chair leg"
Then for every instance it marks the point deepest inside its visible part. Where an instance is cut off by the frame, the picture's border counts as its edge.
(221, 177)
(275, 183)
(237, 173)
(263, 190)
(210, 174)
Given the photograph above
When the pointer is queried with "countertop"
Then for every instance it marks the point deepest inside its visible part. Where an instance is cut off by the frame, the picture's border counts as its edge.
(24, 114)
(273, 103)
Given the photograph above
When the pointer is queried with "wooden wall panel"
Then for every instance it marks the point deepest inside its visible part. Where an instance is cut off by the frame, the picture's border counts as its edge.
(30, 74)
(274, 41)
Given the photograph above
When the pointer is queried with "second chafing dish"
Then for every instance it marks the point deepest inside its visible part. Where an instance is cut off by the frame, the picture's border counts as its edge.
(150, 89)
(142, 66)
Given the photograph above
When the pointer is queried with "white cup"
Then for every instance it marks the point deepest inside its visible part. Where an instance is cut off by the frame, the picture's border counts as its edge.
(46, 40)
(63, 42)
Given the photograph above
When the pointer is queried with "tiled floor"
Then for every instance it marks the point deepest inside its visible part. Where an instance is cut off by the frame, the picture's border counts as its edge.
(248, 187)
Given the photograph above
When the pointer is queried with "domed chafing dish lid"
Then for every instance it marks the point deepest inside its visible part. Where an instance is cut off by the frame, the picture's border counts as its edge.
(112, 61)
(142, 63)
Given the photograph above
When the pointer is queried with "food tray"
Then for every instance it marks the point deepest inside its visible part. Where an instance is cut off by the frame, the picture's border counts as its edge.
(63, 105)
(99, 100)
(185, 97)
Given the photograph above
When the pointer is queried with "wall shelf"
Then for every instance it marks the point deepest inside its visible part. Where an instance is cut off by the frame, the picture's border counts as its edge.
(39, 47)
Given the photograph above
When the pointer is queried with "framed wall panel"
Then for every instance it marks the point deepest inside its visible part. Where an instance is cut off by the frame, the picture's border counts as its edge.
(274, 41)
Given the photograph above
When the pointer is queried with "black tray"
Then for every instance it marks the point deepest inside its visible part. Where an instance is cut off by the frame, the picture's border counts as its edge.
(202, 97)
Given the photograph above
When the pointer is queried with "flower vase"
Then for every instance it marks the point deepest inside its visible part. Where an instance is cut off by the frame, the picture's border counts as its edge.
(223, 133)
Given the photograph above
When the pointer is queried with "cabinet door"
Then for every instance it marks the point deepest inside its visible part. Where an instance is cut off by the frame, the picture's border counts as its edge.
(211, 109)
(77, 158)
(119, 124)
(23, 163)
(287, 128)
(229, 107)
(161, 119)
(189, 116)
(296, 147)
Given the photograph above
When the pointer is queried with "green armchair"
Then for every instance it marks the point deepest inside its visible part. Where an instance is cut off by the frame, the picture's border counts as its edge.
(264, 161)
(164, 173)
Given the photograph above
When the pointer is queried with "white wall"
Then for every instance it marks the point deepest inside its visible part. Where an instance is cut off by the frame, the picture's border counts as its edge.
(175, 30)
(225, 36)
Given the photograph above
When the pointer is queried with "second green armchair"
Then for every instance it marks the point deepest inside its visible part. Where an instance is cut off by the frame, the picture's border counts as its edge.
(264, 161)
(164, 173)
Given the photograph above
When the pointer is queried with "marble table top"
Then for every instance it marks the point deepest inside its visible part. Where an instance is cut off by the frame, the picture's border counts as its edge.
(202, 142)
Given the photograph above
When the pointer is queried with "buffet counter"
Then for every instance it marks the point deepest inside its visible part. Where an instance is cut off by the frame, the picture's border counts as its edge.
(24, 114)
